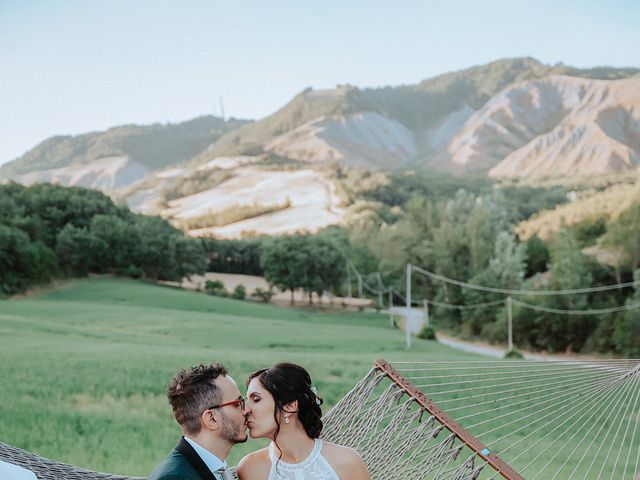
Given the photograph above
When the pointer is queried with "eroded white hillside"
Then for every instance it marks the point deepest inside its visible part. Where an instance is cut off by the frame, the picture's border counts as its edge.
(510, 120)
(600, 135)
(311, 199)
(552, 127)
(106, 173)
(365, 139)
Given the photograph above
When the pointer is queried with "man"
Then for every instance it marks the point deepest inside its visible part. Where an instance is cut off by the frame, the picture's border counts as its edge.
(209, 408)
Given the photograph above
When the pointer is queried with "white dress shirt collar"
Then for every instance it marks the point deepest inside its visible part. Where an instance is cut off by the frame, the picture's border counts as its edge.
(213, 462)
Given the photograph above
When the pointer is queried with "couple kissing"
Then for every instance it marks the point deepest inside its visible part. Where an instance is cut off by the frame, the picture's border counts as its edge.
(281, 405)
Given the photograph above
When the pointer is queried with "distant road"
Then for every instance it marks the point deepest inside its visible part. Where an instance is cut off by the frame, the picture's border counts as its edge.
(497, 352)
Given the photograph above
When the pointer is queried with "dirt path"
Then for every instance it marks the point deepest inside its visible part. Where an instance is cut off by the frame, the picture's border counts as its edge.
(251, 282)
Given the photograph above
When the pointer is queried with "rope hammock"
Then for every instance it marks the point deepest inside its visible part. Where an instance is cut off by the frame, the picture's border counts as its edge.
(473, 420)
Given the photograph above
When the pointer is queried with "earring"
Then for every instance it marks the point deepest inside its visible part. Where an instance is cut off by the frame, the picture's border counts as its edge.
(286, 419)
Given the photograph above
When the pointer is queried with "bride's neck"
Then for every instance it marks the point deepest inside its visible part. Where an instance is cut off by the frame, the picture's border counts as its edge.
(294, 444)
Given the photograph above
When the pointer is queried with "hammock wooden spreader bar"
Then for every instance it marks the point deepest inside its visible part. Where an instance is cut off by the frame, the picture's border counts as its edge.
(449, 423)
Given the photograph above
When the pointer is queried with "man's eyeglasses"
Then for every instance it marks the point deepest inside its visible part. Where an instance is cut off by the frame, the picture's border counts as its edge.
(237, 402)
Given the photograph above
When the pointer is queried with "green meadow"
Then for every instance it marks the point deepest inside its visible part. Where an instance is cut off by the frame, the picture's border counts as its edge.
(85, 367)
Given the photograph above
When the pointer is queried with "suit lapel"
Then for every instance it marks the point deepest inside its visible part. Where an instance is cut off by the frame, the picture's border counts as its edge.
(194, 459)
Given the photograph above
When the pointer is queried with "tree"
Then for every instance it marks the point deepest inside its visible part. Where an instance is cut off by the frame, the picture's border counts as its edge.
(505, 270)
(78, 250)
(569, 269)
(120, 239)
(282, 262)
(22, 262)
(626, 335)
(624, 235)
(537, 256)
(508, 261)
(311, 263)
(323, 268)
(163, 252)
(233, 256)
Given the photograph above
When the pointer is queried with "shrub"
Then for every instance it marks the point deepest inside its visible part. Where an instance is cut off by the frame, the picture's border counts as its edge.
(514, 355)
(239, 293)
(427, 333)
(216, 288)
(263, 295)
(133, 272)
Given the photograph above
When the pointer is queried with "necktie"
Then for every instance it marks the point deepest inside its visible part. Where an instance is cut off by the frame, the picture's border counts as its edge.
(225, 474)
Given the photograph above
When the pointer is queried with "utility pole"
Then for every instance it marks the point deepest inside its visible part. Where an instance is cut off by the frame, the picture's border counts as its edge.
(425, 305)
(221, 107)
(380, 301)
(391, 306)
(510, 323)
(408, 314)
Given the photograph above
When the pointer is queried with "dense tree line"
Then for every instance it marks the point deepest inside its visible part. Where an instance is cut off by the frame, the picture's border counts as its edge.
(468, 237)
(234, 256)
(47, 231)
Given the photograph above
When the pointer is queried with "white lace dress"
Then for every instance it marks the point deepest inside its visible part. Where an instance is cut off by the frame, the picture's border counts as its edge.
(314, 467)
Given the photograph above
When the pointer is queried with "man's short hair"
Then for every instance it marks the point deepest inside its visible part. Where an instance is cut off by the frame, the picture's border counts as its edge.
(192, 391)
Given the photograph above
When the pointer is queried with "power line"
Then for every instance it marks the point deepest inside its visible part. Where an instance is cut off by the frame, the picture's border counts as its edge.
(507, 291)
(463, 306)
(503, 291)
(594, 311)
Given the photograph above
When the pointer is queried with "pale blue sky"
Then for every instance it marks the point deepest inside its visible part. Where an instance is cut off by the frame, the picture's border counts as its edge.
(69, 67)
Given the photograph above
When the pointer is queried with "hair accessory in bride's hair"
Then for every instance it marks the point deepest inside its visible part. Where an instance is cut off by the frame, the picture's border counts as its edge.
(315, 393)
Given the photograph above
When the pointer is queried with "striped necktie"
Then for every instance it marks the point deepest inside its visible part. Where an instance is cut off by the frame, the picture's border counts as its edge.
(225, 474)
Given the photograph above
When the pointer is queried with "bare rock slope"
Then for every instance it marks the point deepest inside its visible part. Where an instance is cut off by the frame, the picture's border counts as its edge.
(557, 126)
(366, 139)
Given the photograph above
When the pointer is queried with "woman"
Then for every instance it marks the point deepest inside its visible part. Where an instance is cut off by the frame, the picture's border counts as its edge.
(283, 407)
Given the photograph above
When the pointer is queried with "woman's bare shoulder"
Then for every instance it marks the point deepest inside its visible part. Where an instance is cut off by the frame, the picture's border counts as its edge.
(255, 466)
(346, 461)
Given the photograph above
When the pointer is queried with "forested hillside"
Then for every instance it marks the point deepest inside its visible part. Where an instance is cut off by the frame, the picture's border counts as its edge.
(49, 232)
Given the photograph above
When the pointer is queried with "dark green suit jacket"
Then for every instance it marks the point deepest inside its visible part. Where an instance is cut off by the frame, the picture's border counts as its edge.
(183, 463)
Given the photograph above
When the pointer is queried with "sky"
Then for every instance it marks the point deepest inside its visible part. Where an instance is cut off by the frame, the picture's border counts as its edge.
(70, 67)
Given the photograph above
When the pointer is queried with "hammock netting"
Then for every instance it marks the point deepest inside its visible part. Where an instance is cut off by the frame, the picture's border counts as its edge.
(474, 420)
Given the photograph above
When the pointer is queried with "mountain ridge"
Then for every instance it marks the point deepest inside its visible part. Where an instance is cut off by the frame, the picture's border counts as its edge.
(480, 119)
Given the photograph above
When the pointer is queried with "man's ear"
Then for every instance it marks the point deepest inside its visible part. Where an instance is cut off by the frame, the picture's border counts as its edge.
(208, 420)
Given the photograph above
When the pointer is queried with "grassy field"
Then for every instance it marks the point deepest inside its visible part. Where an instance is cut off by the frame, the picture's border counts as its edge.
(85, 367)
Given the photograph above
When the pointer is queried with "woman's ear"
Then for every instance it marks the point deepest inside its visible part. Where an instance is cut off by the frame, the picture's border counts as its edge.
(291, 407)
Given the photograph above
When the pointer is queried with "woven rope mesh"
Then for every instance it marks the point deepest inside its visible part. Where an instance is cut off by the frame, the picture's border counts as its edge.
(546, 420)
(397, 438)
(46, 469)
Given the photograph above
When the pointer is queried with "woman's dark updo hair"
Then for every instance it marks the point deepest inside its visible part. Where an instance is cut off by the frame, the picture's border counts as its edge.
(288, 382)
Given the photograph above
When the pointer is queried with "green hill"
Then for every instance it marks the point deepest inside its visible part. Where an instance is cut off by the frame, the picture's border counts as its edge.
(153, 146)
